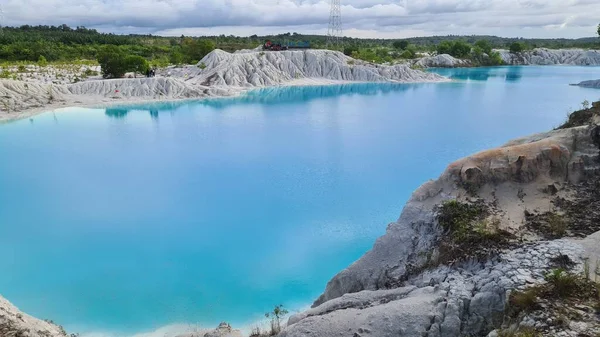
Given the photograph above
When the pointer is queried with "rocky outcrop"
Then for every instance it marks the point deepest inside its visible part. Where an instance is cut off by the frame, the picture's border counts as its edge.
(558, 155)
(224, 330)
(461, 301)
(397, 288)
(544, 56)
(14, 323)
(168, 88)
(441, 61)
(589, 84)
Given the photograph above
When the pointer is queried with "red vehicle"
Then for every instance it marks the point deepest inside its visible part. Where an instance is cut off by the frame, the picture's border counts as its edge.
(273, 46)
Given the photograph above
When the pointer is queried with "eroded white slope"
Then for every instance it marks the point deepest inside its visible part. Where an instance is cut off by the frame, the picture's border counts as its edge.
(260, 69)
(13, 322)
(544, 56)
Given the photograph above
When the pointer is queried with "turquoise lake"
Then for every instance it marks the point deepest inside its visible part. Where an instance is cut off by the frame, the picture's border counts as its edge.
(125, 220)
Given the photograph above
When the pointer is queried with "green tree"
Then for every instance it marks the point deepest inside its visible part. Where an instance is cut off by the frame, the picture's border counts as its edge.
(137, 64)
(516, 47)
(599, 30)
(112, 61)
(484, 45)
(276, 315)
(445, 47)
(176, 57)
(400, 44)
(410, 52)
(42, 62)
(348, 50)
(194, 50)
(460, 49)
(495, 59)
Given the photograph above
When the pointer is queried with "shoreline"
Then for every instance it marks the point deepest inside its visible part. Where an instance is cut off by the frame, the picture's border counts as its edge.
(232, 93)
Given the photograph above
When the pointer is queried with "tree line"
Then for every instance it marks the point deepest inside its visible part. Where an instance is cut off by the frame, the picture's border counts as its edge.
(64, 43)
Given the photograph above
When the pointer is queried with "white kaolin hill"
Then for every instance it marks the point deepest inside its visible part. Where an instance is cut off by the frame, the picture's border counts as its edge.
(544, 56)
(260, 69)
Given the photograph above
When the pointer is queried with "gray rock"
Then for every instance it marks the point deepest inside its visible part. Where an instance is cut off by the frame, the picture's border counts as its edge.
(544, 56)
(224, 330)
(589, 84)
(441, 61)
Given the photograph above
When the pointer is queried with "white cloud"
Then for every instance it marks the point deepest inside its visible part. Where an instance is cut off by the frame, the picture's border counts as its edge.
(362, 18)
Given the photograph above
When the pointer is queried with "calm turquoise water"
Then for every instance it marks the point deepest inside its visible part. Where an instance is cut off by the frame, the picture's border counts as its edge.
(128, 219)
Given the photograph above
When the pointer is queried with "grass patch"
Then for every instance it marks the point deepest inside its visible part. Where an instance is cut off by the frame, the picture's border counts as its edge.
(458, 216)
(521, 332)
(562, 283)
(557, 224)
(522, 301)
(468, 233)
(550, 225)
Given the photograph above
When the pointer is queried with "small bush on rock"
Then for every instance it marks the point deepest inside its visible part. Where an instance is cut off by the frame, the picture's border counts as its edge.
(562, 283)
(521, 332)
(558, 225)
(457, 216)
(522, 301)
(42, 62)
(276, 315)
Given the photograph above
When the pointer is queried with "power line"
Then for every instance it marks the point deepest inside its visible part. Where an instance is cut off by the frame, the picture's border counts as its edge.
(334, 32)
(1, 19)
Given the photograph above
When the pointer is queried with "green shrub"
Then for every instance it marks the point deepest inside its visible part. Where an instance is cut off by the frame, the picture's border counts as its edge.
(276, 315)
(557, 225)
(484, 46)
(137, 64)
(89, 72)
(175, 57)
(457, 216)
(194, 50)
(400, 44)
(495, 59)
(516, 47)
(42, 62)
(523, 301)
(348, 50)
(521, 332)
(562, 283)
(458, 49)
(21, 68)
(112, 61)
(202, 66)
(410, 52)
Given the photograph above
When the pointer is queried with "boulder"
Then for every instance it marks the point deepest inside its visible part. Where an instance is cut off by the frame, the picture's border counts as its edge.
(224, 330)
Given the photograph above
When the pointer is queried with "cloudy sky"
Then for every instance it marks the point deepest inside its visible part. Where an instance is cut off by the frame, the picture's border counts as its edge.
(361, 18)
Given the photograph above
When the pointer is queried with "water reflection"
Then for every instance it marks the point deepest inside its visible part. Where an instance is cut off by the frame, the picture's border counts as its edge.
(274, 95)
(514, 74)
(116, 112)
(509, 74)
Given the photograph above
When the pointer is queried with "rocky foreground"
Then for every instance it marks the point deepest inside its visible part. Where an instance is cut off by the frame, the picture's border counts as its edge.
(217, 74)
(493, 224)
